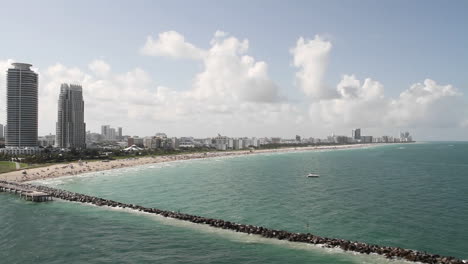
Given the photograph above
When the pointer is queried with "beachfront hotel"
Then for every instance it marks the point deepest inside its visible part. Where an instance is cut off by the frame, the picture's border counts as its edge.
(22, 109)
(71, 128)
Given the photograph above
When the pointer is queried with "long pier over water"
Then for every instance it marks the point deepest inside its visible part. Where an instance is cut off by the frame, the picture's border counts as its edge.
(346, 245)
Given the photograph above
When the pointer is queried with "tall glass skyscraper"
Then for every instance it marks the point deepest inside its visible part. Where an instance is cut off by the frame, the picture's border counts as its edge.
(71, 128)
(22, 104)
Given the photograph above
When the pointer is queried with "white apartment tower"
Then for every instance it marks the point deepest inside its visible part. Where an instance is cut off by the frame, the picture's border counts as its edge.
(21, 106)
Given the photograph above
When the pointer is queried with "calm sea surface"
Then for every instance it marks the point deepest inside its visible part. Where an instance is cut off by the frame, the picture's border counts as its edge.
(410, 195)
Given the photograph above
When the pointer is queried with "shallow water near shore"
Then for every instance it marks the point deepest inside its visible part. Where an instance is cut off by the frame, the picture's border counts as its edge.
(412, 196)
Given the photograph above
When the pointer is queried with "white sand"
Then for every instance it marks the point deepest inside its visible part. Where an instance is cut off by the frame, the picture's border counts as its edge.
(76, 168)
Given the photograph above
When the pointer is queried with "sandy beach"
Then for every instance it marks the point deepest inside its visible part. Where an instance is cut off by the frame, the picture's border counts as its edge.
(75, 168)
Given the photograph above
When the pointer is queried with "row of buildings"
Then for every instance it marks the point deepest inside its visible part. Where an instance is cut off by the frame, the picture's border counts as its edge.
(356, 137)
(160, 140)
(20, 133)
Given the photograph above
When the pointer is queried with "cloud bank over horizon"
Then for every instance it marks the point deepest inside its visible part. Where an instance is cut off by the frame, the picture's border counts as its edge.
(234, 94)
(356, 103)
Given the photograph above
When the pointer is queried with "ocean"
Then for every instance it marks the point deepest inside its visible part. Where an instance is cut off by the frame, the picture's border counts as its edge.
(406, 195)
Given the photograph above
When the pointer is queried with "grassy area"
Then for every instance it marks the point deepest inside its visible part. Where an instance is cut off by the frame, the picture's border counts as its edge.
(7, 166)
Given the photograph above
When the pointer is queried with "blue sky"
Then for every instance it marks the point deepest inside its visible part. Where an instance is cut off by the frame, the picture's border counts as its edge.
(397, 43)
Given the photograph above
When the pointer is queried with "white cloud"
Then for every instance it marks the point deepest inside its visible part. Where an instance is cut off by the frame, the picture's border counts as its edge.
(230, 73)
(427, 104)
(99, 67)
(232, 93)
(171, 44)
(350, 87)
(358, 104)
(422, 105)
(220, 34)
(355, 103)
(311, 57)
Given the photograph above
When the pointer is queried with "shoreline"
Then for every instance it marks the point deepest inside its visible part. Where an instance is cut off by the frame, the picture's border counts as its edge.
(76, 168)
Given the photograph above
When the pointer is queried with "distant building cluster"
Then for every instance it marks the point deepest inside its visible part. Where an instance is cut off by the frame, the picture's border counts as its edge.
(357, 137)
(20, 134)
(161, 141)
(109, 133)
(405, 137)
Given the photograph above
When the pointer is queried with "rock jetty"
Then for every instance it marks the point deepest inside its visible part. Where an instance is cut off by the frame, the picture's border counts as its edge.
(346, 245)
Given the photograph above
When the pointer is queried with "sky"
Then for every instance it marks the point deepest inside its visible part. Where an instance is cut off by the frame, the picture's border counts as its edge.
(248, 68)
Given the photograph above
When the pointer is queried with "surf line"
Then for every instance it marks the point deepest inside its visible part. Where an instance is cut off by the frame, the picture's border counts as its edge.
(346, 245)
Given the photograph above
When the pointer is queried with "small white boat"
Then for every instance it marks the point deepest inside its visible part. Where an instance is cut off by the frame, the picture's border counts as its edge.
(312, 175)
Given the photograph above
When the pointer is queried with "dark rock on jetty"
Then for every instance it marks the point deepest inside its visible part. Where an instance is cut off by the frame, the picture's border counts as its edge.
(364, 248)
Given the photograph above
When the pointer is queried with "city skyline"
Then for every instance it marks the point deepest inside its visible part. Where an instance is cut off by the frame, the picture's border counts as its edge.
(227, 78)
(265, 131)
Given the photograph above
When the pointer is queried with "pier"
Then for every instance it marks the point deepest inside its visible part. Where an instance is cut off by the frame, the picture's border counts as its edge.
(325, 242)
(26, 193)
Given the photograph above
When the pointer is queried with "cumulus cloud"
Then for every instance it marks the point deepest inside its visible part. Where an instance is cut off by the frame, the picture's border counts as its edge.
(171, 44)
(233, 88)
(228, 71)
(427, 104)
(130, 97)
(233, 92)
(363, 103)
(311, 57)
(350, 87)
(422, 105)
(99, 67)
(358, 104)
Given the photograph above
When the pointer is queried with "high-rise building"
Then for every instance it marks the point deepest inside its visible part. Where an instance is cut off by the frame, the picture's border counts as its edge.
(1, 131)
(71, 128)
(105, 131)
(22, 106)
(405, 137)
(119, 134)
(111, 134)
(356, 134)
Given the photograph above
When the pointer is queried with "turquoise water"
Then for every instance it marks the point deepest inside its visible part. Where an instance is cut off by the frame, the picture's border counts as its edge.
(412, 196)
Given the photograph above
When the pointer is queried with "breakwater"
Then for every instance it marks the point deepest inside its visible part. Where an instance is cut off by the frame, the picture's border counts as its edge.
(389, 252)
